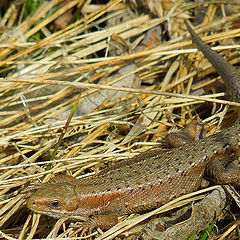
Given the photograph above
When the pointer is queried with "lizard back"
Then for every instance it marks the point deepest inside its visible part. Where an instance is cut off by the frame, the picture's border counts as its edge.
(149, 179)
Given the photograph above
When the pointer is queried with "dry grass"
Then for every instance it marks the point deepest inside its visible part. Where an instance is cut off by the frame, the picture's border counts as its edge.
(130, 94)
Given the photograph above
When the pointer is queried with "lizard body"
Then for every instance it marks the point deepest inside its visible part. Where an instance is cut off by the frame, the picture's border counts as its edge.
(148, 180)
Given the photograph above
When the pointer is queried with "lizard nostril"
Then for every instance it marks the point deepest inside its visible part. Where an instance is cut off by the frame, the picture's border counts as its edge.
(31, 203)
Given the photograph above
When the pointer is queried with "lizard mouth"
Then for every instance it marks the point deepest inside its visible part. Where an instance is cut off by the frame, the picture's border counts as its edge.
(58, 216)
(38, 209)
(50, 214)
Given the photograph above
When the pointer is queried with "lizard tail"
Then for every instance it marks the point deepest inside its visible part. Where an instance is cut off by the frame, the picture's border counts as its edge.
(229, 74)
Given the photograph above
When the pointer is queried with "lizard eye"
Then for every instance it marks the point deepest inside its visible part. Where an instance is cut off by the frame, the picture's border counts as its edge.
(55, 204)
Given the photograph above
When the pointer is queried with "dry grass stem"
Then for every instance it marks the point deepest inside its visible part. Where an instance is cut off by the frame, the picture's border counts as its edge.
(137, 77)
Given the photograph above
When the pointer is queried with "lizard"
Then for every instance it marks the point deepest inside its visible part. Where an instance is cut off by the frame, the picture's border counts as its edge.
(149, 179)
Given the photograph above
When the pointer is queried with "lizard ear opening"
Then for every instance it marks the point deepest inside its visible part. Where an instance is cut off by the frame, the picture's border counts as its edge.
(71, 204)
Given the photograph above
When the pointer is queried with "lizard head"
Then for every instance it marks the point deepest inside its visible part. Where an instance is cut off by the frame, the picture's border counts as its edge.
(54, 199)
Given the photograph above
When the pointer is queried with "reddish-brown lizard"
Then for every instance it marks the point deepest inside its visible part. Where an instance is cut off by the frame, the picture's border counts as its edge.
(148, 180)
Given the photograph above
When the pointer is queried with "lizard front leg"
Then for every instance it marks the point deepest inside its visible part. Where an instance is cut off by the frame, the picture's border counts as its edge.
(192, 132)
(104, 222)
